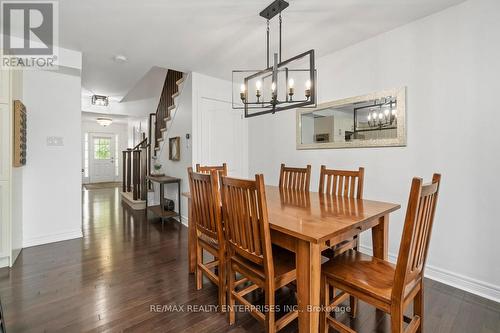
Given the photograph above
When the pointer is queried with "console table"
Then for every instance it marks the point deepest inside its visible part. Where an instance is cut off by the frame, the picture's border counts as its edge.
(159, 210)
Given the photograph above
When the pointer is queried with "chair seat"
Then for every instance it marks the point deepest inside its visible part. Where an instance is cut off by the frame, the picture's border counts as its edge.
(284, 267)
(362, 272)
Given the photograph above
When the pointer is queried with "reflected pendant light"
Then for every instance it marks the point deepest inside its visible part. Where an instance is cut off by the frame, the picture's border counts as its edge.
(282, 85)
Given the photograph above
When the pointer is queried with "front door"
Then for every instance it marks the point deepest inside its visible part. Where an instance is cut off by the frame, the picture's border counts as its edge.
(102, 158)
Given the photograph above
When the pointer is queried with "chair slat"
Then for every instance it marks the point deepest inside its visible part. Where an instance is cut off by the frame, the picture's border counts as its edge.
(343, 183)
(295, 178)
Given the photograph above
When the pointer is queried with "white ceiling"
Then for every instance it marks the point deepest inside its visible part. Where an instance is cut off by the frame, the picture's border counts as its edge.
(214, 36)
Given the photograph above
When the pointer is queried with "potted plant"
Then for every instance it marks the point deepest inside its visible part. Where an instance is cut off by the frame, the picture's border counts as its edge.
(156, 166)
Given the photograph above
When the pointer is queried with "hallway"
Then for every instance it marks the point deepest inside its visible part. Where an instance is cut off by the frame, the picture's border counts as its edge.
(109, 280)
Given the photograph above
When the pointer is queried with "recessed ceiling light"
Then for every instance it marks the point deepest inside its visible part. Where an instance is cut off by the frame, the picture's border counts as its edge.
(120, 58)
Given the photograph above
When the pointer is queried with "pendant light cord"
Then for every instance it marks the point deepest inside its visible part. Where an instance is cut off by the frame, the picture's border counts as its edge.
(267, 43)
(280, 36)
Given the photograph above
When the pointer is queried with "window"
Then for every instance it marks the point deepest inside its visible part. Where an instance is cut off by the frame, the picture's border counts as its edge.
(102, 148)
(86, 158)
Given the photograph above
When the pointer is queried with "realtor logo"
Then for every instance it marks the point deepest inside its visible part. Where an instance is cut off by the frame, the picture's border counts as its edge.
(29, 34)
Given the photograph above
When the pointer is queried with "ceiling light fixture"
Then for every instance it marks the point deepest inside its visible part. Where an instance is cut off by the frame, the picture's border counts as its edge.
(104, 121)
(281, 85)
(99, 100)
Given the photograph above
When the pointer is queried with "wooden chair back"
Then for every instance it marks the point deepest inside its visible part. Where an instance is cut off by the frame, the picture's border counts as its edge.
(343, 183)
(205, 204)
(295, 178)
(246, 221)
(416, 234)
(221, 169)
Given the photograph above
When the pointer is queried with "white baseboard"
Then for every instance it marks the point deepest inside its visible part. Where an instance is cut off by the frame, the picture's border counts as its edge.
(4, 262)
(45, 239)
(184, 220)
(471, 285)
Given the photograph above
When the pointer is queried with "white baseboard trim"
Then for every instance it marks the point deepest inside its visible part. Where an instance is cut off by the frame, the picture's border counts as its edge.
(471, 285)
(184, 220)
(4, 262)
(45, 239)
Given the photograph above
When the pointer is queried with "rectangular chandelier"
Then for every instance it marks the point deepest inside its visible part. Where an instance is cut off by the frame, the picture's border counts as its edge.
(100, 100)
(281, 86)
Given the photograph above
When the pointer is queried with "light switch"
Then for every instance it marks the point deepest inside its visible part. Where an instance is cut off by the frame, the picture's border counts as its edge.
(55, 141)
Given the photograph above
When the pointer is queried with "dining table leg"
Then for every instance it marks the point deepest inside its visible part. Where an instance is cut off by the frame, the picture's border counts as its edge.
(191, 239)
(380, 238)
(308, 263)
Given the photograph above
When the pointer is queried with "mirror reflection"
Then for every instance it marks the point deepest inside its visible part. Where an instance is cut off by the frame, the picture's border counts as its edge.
(358, 122)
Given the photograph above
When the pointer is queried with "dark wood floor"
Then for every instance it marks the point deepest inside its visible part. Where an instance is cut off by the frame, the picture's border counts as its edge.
(108, 281)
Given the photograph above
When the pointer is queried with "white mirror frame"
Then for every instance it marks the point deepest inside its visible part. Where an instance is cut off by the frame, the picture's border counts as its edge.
(399, 141)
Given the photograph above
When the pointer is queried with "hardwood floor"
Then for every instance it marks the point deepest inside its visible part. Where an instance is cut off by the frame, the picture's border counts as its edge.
(109, 280)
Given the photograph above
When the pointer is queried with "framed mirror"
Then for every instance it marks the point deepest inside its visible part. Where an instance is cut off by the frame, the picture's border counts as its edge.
(372, 120)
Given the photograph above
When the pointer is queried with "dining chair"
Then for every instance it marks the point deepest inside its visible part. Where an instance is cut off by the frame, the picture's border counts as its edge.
(380, 283)
(206, 213)
(295, 178)
(221, 169)
(346, 184)
(250, 252)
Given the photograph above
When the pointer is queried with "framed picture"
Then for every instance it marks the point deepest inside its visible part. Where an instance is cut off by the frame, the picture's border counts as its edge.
(174, 148)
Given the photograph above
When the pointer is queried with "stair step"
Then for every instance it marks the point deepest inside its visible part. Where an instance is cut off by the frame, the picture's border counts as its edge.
(157, 148)
(166, 119)
(175, 95)
(178, 82)
(171, 107)
(163, 129)
(159, 139)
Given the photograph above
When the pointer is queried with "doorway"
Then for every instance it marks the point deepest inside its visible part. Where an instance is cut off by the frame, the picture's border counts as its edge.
(102, 158)
(223, 137)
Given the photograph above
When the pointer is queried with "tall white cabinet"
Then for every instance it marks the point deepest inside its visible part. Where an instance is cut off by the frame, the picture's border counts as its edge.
(10, 178)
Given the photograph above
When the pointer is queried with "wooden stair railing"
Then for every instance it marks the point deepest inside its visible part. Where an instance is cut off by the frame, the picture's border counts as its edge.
(135, 169)
(137, 160)
(166, 104)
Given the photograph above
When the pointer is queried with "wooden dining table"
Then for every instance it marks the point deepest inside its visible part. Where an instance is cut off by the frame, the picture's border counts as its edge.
(308, 222)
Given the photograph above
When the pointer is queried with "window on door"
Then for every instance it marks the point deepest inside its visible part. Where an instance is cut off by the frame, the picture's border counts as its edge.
(102, 148)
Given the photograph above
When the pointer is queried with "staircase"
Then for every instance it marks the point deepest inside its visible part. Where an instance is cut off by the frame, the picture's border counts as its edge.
(137, 160)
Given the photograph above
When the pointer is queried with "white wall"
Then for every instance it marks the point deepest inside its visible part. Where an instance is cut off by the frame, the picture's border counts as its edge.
(220, 133)
(120, 129)
(449, 63)
(136, 127)
(52, 176)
